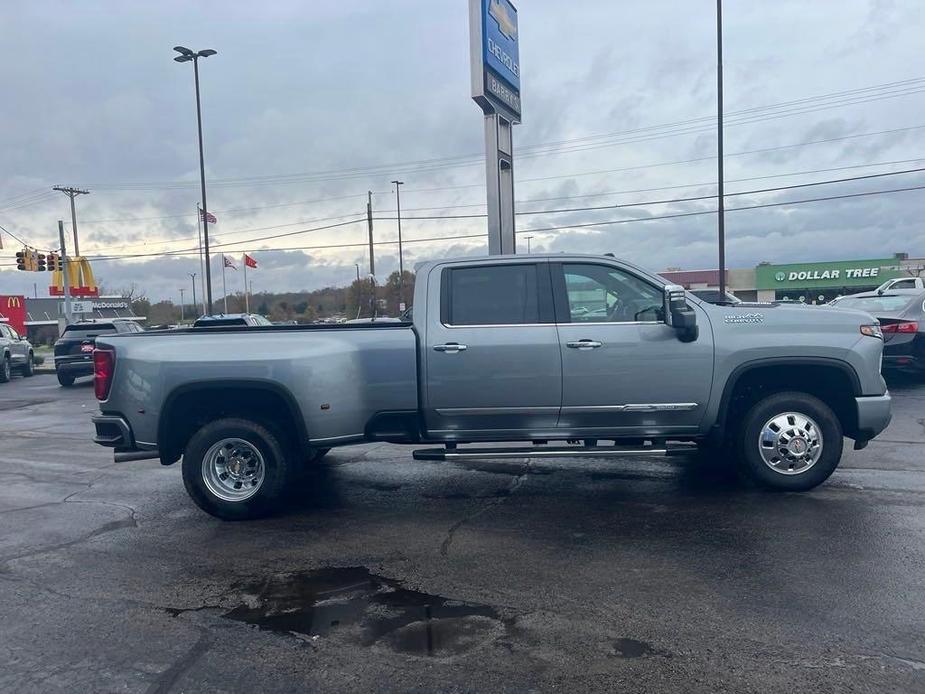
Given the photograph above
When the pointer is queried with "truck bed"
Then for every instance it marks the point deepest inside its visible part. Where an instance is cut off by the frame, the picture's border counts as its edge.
(338, 376)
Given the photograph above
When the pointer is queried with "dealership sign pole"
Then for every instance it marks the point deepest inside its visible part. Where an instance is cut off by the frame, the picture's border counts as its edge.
(494, 47)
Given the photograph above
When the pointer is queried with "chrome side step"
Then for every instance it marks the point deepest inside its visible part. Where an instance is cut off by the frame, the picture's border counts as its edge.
(443, 454)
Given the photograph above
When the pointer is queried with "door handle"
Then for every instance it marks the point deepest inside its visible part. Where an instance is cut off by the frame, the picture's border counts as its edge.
(584, 344)
(451, 348)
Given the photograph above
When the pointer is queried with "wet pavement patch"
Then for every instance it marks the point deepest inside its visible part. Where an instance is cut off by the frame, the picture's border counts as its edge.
(368, 609)
(631, 648)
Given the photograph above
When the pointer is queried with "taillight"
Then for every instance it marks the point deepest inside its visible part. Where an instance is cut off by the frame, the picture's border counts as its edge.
(906, 327)
(104, 363)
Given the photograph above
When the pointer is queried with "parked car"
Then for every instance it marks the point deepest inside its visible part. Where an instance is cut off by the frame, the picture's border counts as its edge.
(901, 313)
(224, 320)
(16, 354)
(74, 349)
(501, 349)
(903, 283)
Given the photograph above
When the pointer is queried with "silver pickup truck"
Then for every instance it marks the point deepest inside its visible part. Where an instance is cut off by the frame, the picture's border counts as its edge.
(569, 355)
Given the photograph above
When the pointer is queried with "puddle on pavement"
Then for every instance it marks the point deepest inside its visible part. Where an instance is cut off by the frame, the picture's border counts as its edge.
(367, 608)
(631, 648)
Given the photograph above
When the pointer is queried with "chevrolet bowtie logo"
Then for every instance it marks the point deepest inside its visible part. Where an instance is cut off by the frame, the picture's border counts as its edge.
(498, 10)
(13, 302)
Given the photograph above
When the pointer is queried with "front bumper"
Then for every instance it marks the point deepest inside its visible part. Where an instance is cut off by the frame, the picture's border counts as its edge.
(874, 415)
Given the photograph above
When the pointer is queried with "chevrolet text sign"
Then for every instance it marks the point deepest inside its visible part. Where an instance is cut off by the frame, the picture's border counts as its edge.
(495, 55)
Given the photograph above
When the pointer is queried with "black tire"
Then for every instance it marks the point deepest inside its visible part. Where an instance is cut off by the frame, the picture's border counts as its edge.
(29, 369)
(65, 380)
(6, 370)
(753, 465)
(278, 470)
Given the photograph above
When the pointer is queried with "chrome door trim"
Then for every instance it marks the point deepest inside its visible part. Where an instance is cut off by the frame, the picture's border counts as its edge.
(477, 411)
(632, 407)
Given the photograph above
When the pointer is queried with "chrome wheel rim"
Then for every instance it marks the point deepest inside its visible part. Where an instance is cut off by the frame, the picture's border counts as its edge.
(7, 370)
(790, 443)
(233, 469)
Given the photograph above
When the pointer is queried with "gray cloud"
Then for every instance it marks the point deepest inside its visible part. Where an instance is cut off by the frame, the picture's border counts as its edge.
(301, 88)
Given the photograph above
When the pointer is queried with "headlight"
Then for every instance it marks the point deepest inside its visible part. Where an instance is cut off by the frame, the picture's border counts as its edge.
(873, 330)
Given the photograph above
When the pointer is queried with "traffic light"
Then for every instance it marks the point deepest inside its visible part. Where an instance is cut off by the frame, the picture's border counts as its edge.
(52, 262)
(39, 263)
(23, 259)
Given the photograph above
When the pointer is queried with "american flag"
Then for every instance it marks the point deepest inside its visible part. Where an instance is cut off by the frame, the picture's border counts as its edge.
(208, 217)
(229, 262)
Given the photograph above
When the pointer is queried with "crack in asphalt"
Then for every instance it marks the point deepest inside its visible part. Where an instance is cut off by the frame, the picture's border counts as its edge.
(111, 526)
(494, 501)
(182, 665)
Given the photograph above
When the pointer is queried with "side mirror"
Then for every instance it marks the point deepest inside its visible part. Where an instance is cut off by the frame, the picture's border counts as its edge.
(679, 315)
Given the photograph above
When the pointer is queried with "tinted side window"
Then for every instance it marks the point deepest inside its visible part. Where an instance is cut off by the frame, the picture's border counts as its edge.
(492, 295)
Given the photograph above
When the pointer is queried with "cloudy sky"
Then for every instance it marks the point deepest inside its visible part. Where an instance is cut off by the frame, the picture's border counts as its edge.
(310, 104)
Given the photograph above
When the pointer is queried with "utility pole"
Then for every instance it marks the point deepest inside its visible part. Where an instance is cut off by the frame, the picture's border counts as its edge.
(369, 223)
(192, 276)
(529, 238)
(73, 193)
(721, 206)
(66, 281)
(182, 316)
(401, 264)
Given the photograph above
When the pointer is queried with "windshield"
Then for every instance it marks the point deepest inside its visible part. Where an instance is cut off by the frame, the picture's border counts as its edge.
(888, 303)
(87, 331)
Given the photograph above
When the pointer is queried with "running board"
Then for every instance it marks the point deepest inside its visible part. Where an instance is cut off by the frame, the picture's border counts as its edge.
(442, 454)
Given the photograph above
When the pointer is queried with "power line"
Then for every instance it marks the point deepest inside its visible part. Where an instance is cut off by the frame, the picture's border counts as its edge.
(677, 215)
(540, 149)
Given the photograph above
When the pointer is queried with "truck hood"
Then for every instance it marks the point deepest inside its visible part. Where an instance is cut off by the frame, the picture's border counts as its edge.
(790, 314)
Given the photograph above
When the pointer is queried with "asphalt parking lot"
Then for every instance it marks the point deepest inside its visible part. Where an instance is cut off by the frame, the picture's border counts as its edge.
(389, 574)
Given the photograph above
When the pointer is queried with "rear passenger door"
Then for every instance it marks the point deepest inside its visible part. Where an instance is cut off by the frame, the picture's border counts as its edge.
(491, 359)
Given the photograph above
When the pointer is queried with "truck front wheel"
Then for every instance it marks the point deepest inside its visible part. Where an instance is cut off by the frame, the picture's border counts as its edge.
(790, 442)
(236, 469)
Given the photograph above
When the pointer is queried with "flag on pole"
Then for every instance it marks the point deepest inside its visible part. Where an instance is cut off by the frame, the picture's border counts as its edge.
(229, 262)
(249, 262)
(208, 217)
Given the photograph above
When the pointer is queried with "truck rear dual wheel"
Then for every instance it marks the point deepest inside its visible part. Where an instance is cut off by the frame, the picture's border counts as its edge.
(790, 442)
(236, 469)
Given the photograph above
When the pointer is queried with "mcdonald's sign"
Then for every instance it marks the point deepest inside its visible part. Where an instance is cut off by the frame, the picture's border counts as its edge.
(80, 278)
(13, 311)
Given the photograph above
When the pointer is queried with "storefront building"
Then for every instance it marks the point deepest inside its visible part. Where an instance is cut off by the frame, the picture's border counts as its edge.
(41, 319)
(819, 283)
(811, 283)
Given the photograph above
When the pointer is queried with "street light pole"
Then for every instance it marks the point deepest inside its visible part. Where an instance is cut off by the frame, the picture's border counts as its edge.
(182, 316)
(187, 55)
(401, 264)
(721, 207)
(529, 238)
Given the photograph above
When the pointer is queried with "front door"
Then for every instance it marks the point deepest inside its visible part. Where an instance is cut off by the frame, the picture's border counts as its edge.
(623, 368)
(491, 361)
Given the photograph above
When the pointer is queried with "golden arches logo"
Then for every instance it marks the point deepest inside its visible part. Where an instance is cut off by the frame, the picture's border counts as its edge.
(13, 302)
